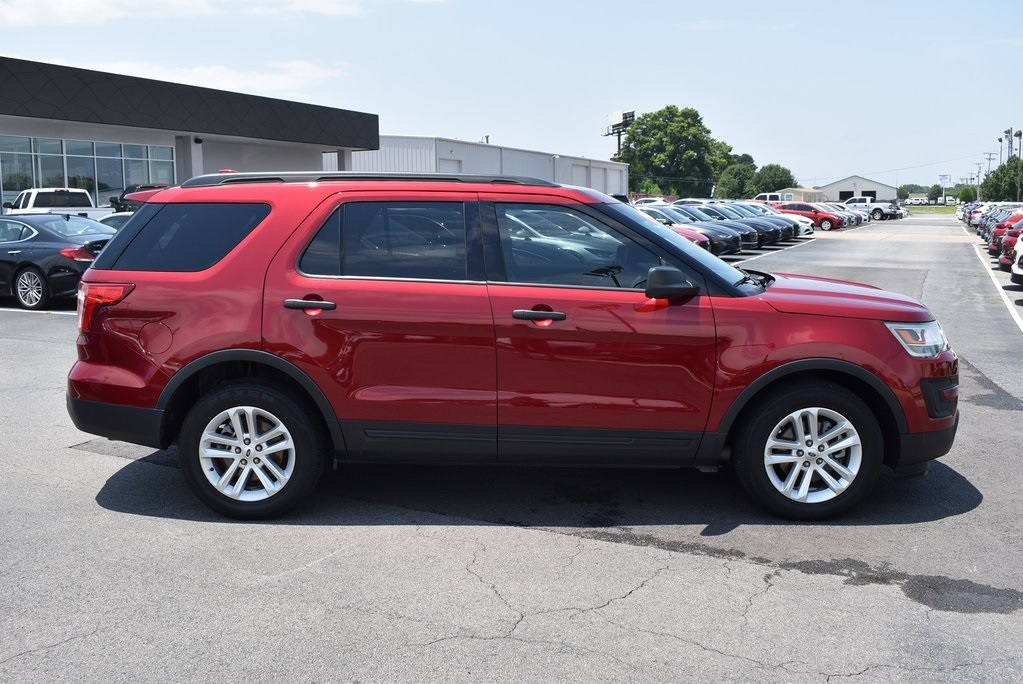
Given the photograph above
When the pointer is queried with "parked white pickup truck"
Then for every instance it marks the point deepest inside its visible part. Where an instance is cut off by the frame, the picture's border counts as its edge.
(55, 201)
(877, 210)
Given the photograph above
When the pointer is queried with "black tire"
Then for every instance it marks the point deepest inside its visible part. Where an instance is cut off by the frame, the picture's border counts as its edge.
(776, 415)
(825, 224)
(271, 420)
(31, 289)
(877, 215)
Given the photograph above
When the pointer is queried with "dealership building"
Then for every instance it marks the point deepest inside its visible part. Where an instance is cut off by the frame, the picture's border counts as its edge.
(68, 127)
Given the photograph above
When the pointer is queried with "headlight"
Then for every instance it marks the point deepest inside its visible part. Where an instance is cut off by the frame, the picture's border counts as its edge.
(922, 340)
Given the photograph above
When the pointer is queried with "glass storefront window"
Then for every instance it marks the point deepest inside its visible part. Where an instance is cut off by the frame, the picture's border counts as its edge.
(134, 151)
(135, 172)
(11, 143)
(51, 171)
(80, 148)
(102, 168)
(15, 174)
(48, 146)
(108, 149)
(162, 172)
(81, 173)
(110, 177)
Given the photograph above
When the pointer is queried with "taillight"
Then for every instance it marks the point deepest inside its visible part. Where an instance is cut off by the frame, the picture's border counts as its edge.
(91, 296)
(77, 254)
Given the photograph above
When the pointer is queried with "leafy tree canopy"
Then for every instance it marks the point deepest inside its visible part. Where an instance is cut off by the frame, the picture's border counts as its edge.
(770, 178)
(967, 194)
(736, 181)
(671, 149)
(1004, 184)
(934, 193)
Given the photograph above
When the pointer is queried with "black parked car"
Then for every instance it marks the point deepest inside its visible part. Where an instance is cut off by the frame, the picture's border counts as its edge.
(43, 256)
(120, 204)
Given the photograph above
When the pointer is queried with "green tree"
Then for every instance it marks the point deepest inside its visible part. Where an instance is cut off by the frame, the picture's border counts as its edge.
(736, 182)
(673, 150)
(968, 194)
(771, 178)
(934, 193)
(1004, 183)
(902, 192)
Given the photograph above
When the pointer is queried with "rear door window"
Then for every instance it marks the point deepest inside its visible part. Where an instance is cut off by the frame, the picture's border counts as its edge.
(404, 240)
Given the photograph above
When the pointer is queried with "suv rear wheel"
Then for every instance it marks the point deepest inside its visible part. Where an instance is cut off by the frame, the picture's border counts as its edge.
(249, 451)
(809, 452)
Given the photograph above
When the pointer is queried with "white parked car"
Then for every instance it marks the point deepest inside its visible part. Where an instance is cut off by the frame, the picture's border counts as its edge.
(1017, 268)
(117, 219)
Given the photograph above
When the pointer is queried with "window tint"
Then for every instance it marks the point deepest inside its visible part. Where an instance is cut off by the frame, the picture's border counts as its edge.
(61, 198)
(323, 255)
(560, 246)
(188, 237)
(12, 231)
(422, 240)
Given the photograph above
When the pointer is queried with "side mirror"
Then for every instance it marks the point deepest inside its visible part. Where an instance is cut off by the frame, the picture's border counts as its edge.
(667, 282)
(8, 205)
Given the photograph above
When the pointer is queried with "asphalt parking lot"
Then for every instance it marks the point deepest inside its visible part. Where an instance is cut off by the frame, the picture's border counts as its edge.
(113, 572)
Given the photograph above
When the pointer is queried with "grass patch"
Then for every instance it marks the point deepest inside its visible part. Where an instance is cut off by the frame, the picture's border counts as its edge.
(932, 209)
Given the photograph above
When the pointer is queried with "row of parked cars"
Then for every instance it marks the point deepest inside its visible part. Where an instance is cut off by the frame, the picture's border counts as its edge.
(730, 226)
(999, 224)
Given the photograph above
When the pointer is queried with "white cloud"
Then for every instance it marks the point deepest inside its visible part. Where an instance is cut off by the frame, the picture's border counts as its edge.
(19, 13)
(283, 79)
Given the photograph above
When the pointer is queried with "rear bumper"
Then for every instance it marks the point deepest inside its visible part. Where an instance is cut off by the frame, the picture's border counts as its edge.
(921, 447)
(114, 421)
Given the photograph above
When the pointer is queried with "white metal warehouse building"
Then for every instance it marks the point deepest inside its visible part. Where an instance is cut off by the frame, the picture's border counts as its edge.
(857, 186)
(417, 154)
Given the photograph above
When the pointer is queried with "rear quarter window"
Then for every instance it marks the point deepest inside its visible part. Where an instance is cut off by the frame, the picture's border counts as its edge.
(180, 237)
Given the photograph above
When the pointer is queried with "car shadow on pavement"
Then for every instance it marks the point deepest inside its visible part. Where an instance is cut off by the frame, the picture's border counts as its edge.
(535, 497)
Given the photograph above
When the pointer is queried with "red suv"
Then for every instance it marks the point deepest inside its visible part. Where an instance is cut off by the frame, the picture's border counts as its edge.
(271, 323)
(822, 219)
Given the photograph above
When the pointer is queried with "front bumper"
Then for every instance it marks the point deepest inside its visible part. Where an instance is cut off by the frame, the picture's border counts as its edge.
(920, 448)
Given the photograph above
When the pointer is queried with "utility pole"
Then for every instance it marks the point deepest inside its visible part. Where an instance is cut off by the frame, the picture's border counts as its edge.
(990, 157)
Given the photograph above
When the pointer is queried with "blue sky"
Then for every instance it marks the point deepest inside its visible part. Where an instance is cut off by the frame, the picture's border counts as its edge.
(897, 91)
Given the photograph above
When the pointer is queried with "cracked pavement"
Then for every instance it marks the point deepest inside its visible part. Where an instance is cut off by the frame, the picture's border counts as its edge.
(113, 572)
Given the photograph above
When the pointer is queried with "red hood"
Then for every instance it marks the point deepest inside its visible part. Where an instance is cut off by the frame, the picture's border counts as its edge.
(799, 294)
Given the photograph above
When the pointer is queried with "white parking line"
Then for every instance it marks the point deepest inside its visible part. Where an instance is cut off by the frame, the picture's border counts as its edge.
(49, 313)
(801, 242)
(998, 286)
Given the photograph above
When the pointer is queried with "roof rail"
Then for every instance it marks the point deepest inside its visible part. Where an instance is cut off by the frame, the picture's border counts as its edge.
(322, 176)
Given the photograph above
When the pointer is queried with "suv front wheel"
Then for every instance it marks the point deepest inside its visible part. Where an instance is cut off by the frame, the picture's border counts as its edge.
(249, 451)
(809, 452)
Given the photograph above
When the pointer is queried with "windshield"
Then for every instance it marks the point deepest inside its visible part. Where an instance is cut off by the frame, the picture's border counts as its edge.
(728, 212)
(676, 215)
(740, 209)
(761, 209)
(700, 256)
(76, 225)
